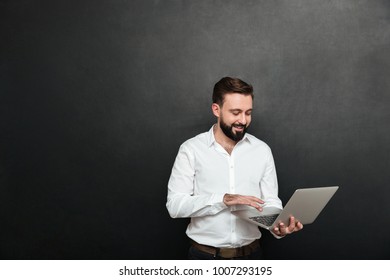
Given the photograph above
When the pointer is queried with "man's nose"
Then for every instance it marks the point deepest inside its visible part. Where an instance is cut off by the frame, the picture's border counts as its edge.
(243, 119)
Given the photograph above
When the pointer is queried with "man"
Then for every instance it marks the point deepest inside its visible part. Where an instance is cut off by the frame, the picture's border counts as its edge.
(218, 169)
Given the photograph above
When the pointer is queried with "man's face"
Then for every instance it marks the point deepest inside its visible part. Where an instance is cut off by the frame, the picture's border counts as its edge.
(235, 115)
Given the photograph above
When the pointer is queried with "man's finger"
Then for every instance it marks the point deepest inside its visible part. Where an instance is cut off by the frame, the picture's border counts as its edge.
(283, 230)
(233, 199)
(291, 226)
(258, 200)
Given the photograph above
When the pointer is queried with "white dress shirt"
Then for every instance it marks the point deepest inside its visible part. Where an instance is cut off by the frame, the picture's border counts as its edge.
(204, 172)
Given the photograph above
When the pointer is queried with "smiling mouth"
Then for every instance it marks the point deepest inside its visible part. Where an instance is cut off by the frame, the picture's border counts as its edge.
(239, 127)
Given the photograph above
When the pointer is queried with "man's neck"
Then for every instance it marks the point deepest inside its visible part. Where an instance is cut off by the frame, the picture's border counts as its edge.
(227, 143)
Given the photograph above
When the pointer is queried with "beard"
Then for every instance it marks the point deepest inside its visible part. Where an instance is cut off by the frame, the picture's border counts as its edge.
(228, 130)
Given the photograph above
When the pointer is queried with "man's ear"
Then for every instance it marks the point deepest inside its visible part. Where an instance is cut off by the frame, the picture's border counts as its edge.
(216, 109)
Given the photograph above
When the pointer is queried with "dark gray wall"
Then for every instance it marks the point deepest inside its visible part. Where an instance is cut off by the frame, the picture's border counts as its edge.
(96, 97)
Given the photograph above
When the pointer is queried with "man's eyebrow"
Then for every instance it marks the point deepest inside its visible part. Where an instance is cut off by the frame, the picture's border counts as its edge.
(239, 110)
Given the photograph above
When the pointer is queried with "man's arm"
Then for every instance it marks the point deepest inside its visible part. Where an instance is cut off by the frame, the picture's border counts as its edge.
(270, 189)
(181, 201)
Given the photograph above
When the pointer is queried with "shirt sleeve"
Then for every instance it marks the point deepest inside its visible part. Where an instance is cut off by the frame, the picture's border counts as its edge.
(181, 201)
(269, 184)
(269, 187)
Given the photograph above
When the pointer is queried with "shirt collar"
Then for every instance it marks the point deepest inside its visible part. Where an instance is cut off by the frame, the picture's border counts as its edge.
(211, 137)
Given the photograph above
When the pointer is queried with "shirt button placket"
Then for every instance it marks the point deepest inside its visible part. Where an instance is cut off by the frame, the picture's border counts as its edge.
(232, 190)
(231, 175)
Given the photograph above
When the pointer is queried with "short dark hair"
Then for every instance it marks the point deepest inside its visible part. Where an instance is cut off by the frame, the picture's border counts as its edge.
(230, 85)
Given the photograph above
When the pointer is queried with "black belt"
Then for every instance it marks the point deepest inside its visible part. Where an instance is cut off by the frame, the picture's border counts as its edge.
(228, 253)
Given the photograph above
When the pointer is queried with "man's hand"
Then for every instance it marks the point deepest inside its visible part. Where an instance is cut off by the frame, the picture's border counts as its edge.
(235, 199)
(282, 230)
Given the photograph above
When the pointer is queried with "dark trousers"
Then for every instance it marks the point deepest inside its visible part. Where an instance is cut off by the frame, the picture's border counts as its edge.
(195, 254)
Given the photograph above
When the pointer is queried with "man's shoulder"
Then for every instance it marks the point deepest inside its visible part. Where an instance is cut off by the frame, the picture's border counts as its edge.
(257, 142)
(197, 140)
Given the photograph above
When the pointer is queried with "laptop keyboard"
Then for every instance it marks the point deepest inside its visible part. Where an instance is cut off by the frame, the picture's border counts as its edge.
(267, 220)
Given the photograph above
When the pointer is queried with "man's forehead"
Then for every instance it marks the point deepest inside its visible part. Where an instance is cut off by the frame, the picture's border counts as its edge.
(237, 100)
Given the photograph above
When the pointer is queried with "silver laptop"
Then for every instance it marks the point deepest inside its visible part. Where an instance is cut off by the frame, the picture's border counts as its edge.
(305, 205)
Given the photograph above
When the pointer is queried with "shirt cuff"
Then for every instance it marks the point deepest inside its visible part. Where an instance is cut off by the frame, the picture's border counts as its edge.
(216, 201)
